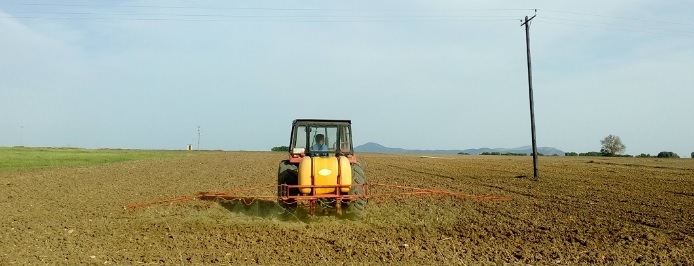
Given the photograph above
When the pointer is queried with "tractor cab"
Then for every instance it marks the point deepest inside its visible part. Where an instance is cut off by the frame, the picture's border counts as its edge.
(321, 138)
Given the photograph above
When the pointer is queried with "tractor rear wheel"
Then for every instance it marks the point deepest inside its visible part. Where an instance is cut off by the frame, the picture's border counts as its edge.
(356, 207)
(287, 174)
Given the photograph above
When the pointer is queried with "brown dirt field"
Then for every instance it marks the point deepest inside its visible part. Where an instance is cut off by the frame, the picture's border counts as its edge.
(582, 211)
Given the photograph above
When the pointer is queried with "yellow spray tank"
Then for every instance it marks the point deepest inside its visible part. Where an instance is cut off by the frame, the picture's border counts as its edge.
(325, 171)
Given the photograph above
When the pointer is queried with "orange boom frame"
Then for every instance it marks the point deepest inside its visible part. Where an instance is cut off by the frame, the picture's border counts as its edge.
(321, 169)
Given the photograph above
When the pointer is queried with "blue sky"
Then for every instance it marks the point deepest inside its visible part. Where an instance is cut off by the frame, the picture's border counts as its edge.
(409, 74)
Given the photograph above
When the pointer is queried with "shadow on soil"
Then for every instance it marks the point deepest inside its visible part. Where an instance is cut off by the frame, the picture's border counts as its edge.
(270, 209)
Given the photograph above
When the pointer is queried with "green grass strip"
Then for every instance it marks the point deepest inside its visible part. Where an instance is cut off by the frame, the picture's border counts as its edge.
(19, 158)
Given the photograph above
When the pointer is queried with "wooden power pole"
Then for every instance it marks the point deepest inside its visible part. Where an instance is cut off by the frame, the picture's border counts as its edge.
(526, 23)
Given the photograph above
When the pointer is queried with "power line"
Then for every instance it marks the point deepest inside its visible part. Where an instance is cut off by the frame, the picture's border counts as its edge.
(253, 17)
(621, 18)
(540, 20)
(257, 20)
(335, 9)
(339, 10)
(261, 16)
(270, 8)
(619, 25)
(421, 14)
(300, 15)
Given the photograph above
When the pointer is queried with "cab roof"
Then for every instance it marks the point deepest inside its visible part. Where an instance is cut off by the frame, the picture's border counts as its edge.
(321, 122)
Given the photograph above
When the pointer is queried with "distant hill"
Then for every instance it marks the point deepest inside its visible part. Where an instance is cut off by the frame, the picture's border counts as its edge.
(378, 148)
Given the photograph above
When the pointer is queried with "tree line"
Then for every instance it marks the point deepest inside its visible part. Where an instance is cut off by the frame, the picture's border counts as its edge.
(612, 146)
(280, 148)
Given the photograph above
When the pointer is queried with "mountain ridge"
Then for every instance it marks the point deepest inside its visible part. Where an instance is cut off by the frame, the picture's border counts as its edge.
(378, 148)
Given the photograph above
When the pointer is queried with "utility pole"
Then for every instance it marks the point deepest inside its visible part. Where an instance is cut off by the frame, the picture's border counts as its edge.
(199, 134)
(526, 23)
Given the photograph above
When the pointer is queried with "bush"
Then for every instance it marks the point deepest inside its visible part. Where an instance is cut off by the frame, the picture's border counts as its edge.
(692, 154)
(591, 153)
(280, 148)
(605, 152)
(668, 154)
(644, 155)
(571, 154)
(463, 153)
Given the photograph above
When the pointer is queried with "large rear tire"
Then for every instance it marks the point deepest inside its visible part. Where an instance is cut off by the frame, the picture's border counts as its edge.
(287, 174)
(355, 208)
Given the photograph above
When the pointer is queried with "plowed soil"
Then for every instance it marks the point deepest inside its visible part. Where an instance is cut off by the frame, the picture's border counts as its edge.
(581, 211)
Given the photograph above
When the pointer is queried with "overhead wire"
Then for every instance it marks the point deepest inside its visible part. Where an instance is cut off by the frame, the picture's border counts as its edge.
(613, 24)
(618, 27)
(296, 14)
(344, 15)
(613, 28)
(279, 18)
(254, 17)
(614, 17)
(90, 15)
(262, 20)
(627, 26)
(271, 8)
(333, 9)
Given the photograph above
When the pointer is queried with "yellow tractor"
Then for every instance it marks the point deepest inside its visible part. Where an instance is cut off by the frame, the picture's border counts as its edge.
(322, 169)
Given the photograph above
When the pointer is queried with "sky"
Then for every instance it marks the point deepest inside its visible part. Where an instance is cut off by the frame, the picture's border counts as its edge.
(147, 74)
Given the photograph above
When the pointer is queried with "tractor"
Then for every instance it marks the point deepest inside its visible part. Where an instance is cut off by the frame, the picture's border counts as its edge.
(322, 169)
